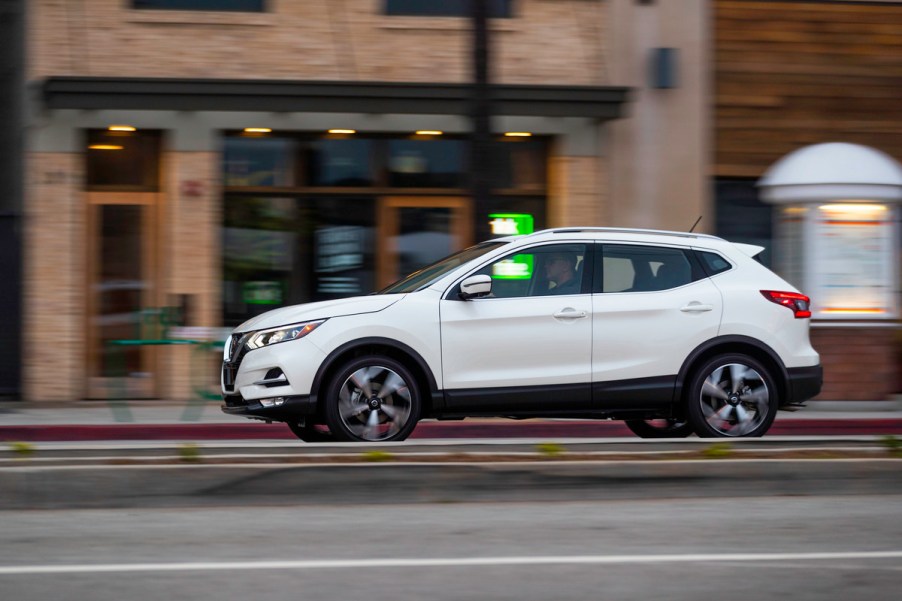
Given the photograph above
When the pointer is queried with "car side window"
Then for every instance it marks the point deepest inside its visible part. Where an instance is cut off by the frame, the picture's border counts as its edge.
(713, 262)
(552, 269)
(634, 268)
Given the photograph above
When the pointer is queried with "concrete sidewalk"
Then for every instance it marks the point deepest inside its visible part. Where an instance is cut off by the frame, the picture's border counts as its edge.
(203, 420)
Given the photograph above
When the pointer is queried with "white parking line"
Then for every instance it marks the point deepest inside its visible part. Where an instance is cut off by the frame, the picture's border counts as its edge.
(448, 562)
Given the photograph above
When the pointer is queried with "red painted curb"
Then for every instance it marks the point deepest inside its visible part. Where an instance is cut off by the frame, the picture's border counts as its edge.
(426, 430)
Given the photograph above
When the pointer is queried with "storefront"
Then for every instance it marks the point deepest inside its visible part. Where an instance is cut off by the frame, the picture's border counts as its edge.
(309, 217)
(166, 211)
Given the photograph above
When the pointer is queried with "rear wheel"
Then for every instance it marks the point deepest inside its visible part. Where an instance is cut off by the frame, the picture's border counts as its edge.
(372, 399)
(659, 428)
(732, 396)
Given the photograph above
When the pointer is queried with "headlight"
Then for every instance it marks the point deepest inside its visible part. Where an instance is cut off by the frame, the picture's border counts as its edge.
(282, 334)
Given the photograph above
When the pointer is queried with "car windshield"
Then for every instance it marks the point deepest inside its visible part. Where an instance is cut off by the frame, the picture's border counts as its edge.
(424, 277)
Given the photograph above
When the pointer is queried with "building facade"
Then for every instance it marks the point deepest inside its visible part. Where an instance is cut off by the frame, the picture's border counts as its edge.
(192, 163)
(189, 163)
(791, 75)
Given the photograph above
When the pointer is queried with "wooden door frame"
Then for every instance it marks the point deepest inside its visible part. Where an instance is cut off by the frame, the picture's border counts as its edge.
(95, 385)
(387, 228)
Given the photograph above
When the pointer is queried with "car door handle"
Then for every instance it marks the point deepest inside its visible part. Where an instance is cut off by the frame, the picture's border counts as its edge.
(696, 307)
(570, 314)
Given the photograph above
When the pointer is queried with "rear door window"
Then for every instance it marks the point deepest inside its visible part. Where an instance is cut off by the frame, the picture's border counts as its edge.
(635, 268)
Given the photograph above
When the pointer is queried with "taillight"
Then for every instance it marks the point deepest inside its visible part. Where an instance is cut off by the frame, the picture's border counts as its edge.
(799, 304)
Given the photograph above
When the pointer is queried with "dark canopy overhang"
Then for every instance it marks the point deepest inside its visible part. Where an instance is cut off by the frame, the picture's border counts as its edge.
(98, 93)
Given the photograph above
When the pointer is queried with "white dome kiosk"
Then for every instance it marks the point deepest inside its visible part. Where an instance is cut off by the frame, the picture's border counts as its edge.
(836, 236)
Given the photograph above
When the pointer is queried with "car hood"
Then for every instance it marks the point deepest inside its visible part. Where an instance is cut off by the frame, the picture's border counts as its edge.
(321, 310)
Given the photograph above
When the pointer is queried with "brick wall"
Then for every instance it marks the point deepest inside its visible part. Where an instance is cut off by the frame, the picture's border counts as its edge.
(324, 39)
(860, 364)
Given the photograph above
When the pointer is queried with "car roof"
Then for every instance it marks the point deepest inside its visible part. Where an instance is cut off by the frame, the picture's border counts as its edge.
(623, 234)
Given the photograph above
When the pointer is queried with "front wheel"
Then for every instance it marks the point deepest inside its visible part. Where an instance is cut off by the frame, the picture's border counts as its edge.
(732, 396)
(372, 399)
(659, 428)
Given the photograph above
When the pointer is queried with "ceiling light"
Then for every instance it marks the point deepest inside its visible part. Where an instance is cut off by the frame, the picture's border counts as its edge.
(257, 130)
(518, 134)
(121, 128)
(429, 132)
(105, 147)
(853, 208)
(342, 131)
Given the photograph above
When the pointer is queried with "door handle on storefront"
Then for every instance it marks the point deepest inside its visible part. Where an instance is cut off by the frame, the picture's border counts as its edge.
(696, 307)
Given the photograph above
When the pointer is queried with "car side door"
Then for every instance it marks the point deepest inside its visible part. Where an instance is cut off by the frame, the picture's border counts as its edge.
(652, 305)
(528, 345)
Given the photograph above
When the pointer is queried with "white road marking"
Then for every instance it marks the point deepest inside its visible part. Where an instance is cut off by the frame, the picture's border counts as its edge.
(447, 562)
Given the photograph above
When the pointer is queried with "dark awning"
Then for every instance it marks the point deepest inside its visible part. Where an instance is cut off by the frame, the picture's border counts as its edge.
(97, 93)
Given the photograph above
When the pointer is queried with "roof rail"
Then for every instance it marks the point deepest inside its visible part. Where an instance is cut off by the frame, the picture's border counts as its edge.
(624, 230)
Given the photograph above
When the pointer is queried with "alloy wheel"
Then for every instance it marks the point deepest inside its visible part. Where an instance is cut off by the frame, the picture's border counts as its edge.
(374, 403)
(735, 400)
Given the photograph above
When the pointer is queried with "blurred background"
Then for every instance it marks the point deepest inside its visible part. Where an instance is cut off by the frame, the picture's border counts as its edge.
(170, 168)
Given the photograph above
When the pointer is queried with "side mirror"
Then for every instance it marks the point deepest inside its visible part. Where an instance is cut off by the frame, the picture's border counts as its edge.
(476, 286)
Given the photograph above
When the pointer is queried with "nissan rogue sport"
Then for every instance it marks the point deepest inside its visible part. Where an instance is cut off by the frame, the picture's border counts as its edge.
(674, 333)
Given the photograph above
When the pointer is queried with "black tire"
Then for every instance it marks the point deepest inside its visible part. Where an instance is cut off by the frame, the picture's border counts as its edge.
(372, 399)
(732, 396)
(310, 432)
(659, 428)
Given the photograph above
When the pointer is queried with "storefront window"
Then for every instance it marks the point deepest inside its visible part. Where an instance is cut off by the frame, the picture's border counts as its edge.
(259, 161)
(217, 5)
(445, 8)
(123, 161)
(336, 162)
(425, 235)
(292, 234)
(283, 251)
(120, 288)
(427, 163)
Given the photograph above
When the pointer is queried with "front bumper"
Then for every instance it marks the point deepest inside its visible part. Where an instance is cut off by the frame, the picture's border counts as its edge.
(289, 408)
(803, 383)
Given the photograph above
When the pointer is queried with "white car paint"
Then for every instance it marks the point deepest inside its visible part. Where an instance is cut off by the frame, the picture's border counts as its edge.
(561, 343)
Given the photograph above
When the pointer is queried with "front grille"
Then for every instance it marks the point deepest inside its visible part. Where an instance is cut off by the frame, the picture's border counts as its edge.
(237, 351)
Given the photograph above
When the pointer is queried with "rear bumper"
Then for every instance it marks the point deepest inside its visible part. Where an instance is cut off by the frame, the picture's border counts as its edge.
(803, 383)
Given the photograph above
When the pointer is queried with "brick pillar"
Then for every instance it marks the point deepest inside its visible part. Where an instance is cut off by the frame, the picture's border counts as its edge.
(190, 261)
(577, 189)
(54, 277)
(860, 363)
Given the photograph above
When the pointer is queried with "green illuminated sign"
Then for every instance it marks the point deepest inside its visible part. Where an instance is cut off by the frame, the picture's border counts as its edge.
(511, 224)
(519, 267)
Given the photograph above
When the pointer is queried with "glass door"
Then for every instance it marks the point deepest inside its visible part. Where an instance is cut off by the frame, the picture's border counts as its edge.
(122, 323)
(417, 231)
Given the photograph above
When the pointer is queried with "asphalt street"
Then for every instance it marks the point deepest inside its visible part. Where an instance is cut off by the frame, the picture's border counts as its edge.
(831, 547)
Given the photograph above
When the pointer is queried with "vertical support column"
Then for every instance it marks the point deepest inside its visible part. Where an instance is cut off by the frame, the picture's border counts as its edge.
(12, 92)
(481, 136)
(54, 353)
(577, 190)
(661, 153)
(190, 260)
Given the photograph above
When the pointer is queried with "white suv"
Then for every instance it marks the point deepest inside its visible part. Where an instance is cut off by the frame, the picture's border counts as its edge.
(673, 332)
